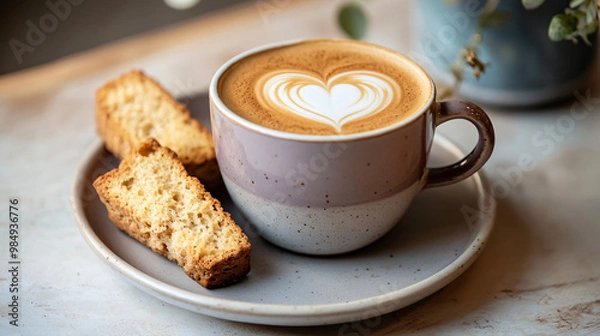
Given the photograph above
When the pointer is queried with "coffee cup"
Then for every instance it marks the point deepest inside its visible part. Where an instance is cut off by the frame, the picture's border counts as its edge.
(323, 144)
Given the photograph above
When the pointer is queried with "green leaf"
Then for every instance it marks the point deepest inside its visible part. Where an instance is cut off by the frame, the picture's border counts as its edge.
(576, 3)
(590, 28)
(562, 27)
(352, 20)
(533, 4)
(591, 14)
(494, 19)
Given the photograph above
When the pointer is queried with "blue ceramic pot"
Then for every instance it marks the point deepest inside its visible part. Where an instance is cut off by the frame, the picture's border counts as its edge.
(525, 66)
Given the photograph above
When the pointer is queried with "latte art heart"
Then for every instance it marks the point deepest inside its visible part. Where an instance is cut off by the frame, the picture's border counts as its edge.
(343, 98)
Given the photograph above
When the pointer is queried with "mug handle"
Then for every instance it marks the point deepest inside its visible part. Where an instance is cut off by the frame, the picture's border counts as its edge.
(458, 109)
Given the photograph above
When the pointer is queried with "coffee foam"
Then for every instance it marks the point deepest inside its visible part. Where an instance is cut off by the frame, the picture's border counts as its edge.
(345, 97)
(325, 87)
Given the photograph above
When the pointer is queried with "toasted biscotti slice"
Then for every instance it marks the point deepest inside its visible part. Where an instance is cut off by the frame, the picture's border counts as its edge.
(151, 197)
(134, 107)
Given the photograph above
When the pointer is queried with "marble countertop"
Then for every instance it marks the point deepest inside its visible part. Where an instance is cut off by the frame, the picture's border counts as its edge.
(538, 275)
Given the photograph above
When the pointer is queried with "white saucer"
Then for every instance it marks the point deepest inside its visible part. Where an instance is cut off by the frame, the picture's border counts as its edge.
(439, 237)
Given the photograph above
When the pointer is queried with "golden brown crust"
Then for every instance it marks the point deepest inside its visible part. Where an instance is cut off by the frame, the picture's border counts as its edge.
(121, 140)
(209, 271)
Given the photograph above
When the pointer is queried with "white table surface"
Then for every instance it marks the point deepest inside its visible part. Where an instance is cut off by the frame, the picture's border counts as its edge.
(538, 275)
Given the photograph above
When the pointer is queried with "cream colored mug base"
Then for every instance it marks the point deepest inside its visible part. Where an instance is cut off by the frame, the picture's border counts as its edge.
(321, 231)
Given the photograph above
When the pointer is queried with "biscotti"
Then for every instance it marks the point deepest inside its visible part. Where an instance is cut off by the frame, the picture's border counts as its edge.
(134, 107)
(152, 198)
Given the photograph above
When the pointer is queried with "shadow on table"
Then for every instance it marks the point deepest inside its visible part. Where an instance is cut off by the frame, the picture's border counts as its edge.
(199, 107)
(492, 275)
(586, 98)
(496, 270)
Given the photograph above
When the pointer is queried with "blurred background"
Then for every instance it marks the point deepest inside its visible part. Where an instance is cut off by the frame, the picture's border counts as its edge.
(509, 41)
(96, 23)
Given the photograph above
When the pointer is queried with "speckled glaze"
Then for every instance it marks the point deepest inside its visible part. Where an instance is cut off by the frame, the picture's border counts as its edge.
(336, 193)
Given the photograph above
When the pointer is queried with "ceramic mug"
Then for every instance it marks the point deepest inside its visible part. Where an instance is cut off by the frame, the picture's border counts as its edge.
(330, 194)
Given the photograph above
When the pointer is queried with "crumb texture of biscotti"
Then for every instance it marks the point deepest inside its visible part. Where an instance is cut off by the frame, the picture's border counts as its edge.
(134, 107)
(151, 197)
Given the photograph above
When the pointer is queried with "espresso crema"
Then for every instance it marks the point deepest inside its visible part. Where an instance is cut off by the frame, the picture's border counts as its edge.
(325, 87)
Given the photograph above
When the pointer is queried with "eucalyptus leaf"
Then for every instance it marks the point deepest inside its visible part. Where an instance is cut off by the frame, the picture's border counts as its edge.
(590, 28)
(576, 3)
(591, 13)
(352, 20)
(562, 27)
(533, 4)
(574, 12)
